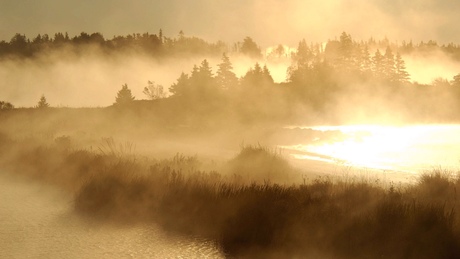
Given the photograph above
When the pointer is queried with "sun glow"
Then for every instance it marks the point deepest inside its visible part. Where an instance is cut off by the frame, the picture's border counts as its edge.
(389, 147)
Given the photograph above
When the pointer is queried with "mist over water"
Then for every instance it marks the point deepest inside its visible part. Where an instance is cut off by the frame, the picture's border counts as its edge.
(188, 160)
(37, 221)
(414, 149)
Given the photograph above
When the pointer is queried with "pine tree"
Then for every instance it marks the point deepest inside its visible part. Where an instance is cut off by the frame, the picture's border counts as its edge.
(378, 64)
(303, 57)
(366, 64)
(205, 70)
(346, 48)
(181, 87)
(389, 65)
(257, 77)
(225, 76)
(267, 76)
(42, 103)
(400, 66)
(124, 96)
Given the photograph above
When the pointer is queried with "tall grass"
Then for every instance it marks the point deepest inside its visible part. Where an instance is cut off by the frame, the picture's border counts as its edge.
(324, 218)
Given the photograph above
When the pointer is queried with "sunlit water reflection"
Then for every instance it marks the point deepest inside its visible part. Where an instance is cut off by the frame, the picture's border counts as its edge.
(399, 148)
(38, 222)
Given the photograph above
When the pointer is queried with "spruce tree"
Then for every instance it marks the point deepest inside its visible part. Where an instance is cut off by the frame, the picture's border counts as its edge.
(402, 75)
(42, 103)
(124, 96)
(378, 64)
(389, 65)
(181, 87)
(225, 76)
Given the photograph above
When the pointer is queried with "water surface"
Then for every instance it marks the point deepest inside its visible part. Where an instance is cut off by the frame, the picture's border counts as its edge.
(413, 149)
(38, 222)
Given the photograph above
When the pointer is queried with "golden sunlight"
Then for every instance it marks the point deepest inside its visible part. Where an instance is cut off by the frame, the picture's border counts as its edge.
(389, 147)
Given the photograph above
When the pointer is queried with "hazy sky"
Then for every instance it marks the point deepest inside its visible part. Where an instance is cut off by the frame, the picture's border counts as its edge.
(269, 22)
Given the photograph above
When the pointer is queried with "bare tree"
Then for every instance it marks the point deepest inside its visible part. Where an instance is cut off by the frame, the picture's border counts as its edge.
(154, 91)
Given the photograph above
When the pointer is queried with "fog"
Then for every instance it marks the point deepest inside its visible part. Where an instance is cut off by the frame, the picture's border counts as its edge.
(426, 67)
(225, 155)
(93, 79)
(285, 22)
(38, 221)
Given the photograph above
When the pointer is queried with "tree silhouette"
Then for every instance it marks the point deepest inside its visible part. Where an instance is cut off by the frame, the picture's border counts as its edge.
(154, 91)
(346, 49)
(42, 103)
(456, 81)
(302, 61)
(225, 76)
(203, 82)
(6, 106)
(365, 60)
(205, 70)
(304, 56)
(400, 67)
(250, 48)
(389, 65)
(378, 64)
(278, 53)
(181, 87)
(124, 96)
(257, 78)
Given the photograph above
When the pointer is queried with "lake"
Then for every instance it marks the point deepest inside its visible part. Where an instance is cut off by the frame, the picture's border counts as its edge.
(406, 149)
(37, 221)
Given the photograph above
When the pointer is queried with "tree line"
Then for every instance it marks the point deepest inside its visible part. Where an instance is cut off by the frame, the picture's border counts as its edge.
(159, 45)
(156, 45)
(317, 75)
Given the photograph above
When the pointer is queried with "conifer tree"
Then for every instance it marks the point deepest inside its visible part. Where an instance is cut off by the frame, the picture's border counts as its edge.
(346, 48)
(124, 96)
(400, 66)
(42, 103)
(267, 76)
(181, 87)
(225, 76)
(389, 65)
(366, 64)
(378, 64)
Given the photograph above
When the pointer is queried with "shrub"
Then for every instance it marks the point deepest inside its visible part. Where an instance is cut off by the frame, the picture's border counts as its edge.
(256, 163)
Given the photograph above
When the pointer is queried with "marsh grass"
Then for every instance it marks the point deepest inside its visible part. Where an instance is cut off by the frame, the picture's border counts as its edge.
(256, 163)
(323, 218)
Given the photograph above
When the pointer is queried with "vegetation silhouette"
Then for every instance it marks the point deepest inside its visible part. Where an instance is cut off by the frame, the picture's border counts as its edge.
(327, 217)
(322, 81)
(124, 96)
(255, 204)
(5, 106)
(42, 103)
